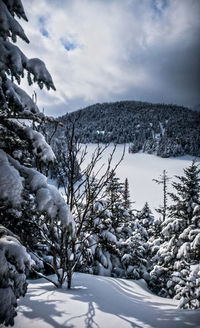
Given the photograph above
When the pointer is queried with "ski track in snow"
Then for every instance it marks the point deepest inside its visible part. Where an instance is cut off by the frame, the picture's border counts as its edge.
(100, 302)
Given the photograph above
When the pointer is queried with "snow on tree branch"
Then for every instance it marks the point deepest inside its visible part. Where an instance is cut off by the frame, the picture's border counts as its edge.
(13, 261)
(14, 62)
(26, 199)
(8, 25)
(11, 183)
(48, 198)
(40, 73)
(40, 146)
(16, 7)
(20, 99)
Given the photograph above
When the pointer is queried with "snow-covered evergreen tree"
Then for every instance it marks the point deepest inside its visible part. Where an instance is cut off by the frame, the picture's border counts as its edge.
(107, 226)
(13, 262)
(180, 249)
(188, 290)
(126, 195)
(165, 130)
(103, 239)
(145, 217)
(115, 199)
(25, 194)
(134, 253)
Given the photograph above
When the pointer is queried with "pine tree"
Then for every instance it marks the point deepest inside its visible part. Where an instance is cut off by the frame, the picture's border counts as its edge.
(188, 290)
(126, 195)
(181, 237)
(134, 253)
(24, 192)
(100, 254)
(114, 197)
(107, 226)
(14, 261)
(145, 217)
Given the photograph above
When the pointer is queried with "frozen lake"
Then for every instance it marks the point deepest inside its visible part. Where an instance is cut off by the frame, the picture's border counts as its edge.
(140, 169)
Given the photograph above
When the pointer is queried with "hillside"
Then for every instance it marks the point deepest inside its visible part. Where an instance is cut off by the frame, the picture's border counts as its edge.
(165, 130)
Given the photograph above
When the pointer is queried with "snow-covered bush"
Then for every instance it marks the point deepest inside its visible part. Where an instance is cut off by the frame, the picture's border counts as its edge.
(13, 261)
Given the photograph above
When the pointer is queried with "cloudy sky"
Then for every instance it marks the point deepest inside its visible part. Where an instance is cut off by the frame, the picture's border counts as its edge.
(109, 50)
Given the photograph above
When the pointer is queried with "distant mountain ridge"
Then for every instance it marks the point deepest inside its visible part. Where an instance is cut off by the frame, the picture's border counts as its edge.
(166, 130)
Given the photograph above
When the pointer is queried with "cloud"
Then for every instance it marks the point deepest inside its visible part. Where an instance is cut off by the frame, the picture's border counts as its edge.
(110, 50)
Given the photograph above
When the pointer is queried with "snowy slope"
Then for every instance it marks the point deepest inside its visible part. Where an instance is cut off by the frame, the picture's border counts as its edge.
(100, 302)
(140, 169)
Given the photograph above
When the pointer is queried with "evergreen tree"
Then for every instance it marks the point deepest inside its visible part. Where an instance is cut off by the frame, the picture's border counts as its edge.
(145, 217)
(14, 261)
(134, 253)
(188, 290)
(100, 251)
(165, 130)
(107, 226)
(163, 179)
(114, 197)
(126, 195)
(181, 237)
(25, 194)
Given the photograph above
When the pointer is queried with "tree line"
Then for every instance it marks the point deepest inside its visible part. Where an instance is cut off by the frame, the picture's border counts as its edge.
(164, 130)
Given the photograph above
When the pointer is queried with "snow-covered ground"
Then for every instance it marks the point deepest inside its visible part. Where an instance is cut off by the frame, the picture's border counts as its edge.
(100, 302)
(141, 169)
(104, 302)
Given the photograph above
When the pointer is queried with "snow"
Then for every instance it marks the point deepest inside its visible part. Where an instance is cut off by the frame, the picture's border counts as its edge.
(162, 129)
(107, 235)
(183, 250)
(196, 242)
(100, 302)
(40, 147)
(8, 303)
(12, 249)
(7, 23)
(13, 260)
(141, 169)
(16, 7)
(12, 177)
(21, 98)
(11, 184)
(38, 69)
(50, 201)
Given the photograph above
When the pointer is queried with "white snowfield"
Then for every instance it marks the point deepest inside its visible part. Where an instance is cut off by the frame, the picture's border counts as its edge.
(141, 169)
(100, 302)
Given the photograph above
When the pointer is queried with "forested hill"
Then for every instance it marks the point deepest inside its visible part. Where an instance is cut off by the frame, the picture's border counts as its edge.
(166, 130)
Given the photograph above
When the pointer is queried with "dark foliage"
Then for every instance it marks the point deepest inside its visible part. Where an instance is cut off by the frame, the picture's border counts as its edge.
(166, 130)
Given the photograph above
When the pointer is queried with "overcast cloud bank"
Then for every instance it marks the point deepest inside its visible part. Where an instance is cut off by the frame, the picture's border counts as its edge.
(99, 50)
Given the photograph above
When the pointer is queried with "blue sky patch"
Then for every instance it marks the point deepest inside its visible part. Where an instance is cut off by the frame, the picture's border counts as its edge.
(42, 23)
(68, 45)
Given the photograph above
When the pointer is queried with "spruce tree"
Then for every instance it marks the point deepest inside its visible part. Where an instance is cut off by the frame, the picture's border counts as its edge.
(145, 217)
(163, 180)
(114, 194)
(25, 194)
(126, 195)
(180, 249)
(134, 253)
